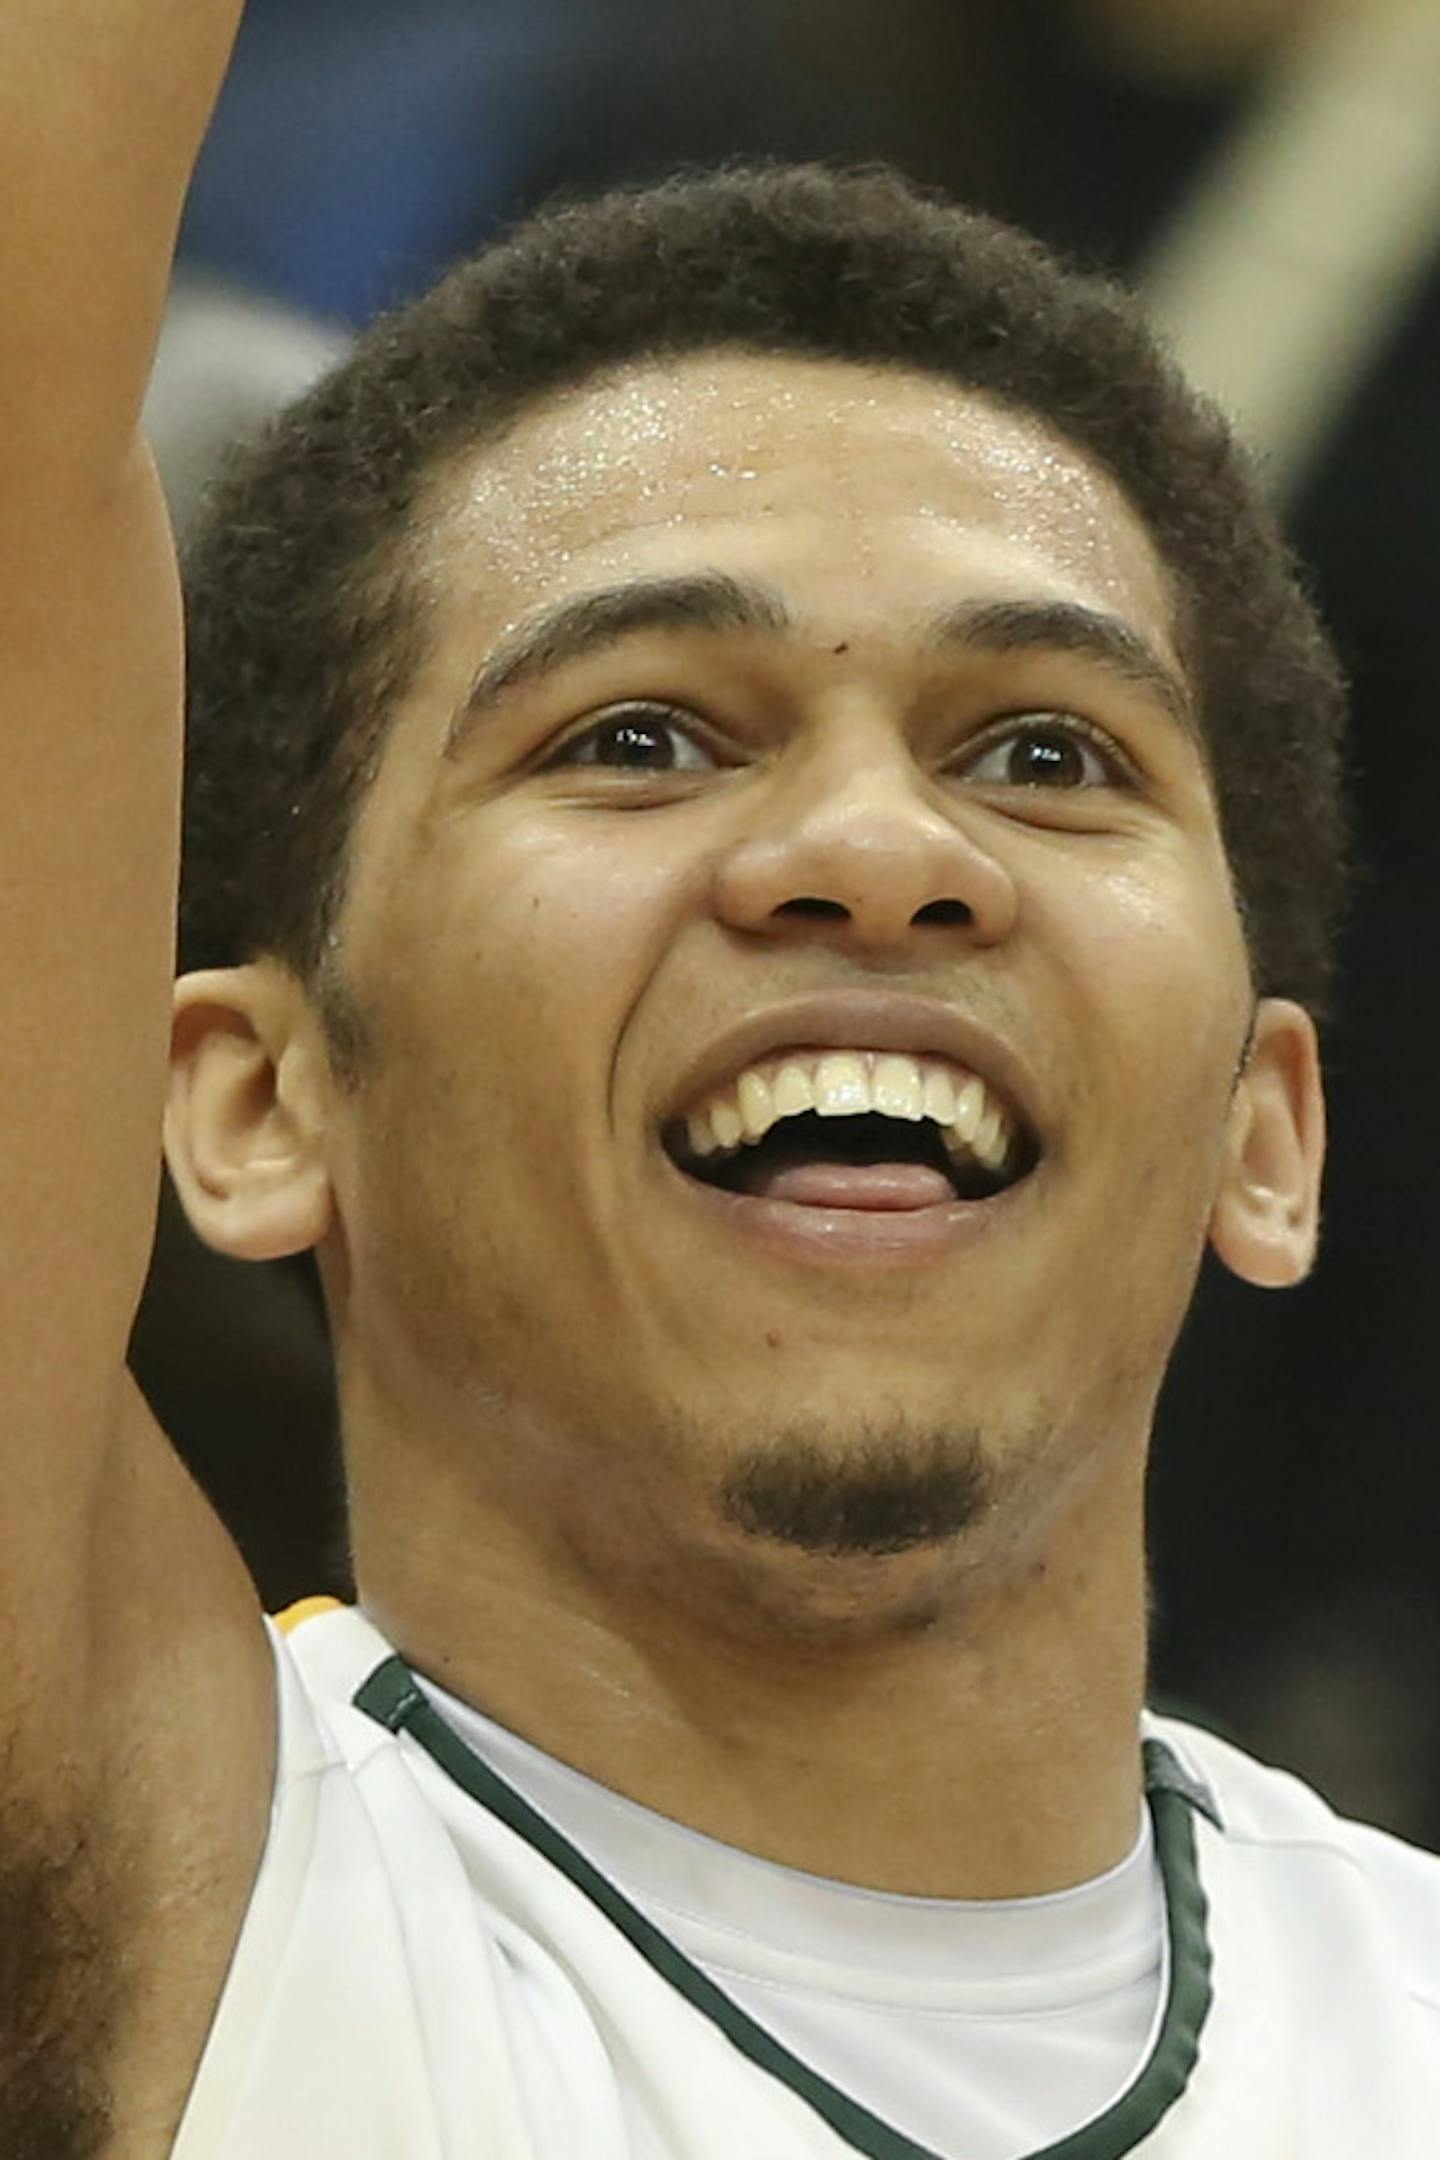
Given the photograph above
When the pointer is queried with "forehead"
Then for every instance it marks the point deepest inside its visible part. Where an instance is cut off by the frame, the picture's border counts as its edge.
(770, 464)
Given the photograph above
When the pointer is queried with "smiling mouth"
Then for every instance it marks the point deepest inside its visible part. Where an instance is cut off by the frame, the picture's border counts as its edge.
(854, 1130)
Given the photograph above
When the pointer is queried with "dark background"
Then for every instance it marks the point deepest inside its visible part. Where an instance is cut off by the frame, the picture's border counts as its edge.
(361, 146)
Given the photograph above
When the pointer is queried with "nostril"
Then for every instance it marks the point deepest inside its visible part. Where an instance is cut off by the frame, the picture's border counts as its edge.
(827, 910)
(954, 912)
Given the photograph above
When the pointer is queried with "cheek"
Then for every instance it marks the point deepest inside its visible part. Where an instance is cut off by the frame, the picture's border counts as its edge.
(559, 936)
(1154, 991)
(572, 892)
(486, 1194)
(519, 957)
(1158, 980)
(512, 932)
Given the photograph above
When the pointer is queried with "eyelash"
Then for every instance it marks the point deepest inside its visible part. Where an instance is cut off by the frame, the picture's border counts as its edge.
(655, 718)
(1118, 769)
(660, 719)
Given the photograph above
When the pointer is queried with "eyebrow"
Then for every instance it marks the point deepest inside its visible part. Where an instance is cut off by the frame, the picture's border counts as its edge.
(1067, 626)
(577, 628)
(589, 623)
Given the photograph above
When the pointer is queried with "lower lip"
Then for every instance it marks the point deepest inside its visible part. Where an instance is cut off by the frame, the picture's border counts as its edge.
(855, 1237)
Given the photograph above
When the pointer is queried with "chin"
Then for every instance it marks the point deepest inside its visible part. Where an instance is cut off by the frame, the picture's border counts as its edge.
(887, 1491)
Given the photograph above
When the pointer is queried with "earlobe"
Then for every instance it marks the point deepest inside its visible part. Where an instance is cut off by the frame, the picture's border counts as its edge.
(244, 1118)
(1265, 1223)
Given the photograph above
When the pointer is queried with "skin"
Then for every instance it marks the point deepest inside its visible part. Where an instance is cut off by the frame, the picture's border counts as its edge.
(135, 1744)
(551, 1356)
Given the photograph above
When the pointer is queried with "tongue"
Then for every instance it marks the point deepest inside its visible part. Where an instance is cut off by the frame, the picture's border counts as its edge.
(850, 1185)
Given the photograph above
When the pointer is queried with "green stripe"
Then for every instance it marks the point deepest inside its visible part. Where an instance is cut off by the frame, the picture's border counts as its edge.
(393, 1698)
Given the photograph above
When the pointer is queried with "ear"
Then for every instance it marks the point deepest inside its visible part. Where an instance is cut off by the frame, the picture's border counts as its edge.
(1266, 1219)
(245, 1117)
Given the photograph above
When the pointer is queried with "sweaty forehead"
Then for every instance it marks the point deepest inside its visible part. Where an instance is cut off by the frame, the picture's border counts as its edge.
(634, 464)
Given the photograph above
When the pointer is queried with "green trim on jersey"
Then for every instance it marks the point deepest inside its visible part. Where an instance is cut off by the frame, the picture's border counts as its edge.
(393, 1698)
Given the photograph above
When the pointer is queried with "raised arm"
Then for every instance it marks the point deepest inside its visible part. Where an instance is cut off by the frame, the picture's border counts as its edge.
(110, 1563)
(103, 104)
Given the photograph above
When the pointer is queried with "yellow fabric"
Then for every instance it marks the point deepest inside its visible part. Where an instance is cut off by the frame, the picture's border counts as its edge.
(305, 1608)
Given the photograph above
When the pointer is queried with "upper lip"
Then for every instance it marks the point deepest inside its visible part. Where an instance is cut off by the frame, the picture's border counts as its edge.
(861, 1020)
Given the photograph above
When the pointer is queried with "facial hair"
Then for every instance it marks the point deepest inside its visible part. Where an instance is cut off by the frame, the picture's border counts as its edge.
(891, 1491)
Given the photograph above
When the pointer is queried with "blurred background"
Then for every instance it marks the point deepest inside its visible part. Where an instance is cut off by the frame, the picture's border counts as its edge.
(1268, 173)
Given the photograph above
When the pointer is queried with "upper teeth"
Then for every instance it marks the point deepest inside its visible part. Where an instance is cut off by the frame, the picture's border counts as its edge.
(856, 1083)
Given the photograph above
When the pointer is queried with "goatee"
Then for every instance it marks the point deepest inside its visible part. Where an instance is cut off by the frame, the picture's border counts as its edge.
(891, 1492)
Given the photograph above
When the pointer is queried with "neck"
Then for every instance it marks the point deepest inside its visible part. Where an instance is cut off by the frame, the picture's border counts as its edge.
(952, 1725)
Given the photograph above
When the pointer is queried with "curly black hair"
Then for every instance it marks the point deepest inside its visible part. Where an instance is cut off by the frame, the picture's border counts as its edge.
(303, 629)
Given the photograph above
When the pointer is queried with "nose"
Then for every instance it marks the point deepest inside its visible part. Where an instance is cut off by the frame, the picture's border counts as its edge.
(854, 838)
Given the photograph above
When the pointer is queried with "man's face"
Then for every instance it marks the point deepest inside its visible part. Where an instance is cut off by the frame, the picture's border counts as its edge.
(860, 748)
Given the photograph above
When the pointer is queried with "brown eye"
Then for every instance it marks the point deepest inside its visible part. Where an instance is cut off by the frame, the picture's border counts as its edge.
(1041, 754)
(637, 738)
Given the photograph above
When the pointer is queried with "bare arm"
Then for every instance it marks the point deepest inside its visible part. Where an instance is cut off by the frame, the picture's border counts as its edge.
(102, 107)
(135, 1685)
(103, 104)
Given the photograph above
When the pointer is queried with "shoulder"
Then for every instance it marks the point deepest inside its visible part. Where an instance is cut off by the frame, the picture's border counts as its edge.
(358, 1912)
(1333, 1878)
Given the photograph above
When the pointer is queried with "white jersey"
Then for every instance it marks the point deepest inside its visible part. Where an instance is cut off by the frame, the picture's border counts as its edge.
(430, 1970)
